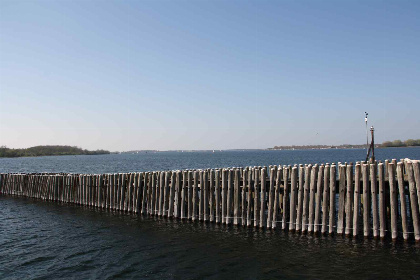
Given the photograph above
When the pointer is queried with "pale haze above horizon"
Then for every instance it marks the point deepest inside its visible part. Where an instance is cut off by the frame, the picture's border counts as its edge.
(164, 75)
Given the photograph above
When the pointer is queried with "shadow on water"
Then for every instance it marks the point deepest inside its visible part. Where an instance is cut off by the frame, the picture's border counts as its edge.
(49, 241)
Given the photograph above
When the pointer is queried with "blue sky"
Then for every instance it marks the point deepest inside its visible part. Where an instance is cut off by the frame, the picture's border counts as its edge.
(124, 75)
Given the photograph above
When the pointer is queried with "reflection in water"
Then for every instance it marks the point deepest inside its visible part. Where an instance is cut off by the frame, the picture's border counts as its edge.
(48, 240)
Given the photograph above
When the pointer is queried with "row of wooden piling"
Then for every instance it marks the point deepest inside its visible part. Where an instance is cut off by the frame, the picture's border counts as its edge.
(369, 199)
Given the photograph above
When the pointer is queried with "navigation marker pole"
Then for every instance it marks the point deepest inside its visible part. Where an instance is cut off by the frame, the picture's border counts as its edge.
(367, 135)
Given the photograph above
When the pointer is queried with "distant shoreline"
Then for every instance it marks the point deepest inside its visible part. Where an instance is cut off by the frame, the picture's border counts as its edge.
(40, 151)
(74, 151)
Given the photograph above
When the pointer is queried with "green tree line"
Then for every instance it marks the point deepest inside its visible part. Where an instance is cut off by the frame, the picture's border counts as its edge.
(47, 151)
(399, 143)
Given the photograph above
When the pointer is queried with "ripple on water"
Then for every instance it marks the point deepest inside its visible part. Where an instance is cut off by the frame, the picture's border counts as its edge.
(73, 242)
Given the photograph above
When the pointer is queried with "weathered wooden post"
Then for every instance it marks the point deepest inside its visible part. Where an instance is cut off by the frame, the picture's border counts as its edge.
(416, 170)
(190, 195)
(256, 197)
(356, 208)
(195, 196)
(366, 200)
(319, 192)
(201, 196)
(161, 188)
(341, 198)
(168, 204)
(312, 191)
(184, 196)
(306, 188)
(349, 199)
(271, 198)
(394, 202)
(332, 199)
(285, 204)
(373, 186)
(205, 194)
(250, 188)
(325, 200)
(218, 195)
(178, 191)
(224, 194)
(236, 194)
(293, 197)
(244, 175)
(400, 178)
(413, 201)
(145, 196)
(211, 196)
(382, 211)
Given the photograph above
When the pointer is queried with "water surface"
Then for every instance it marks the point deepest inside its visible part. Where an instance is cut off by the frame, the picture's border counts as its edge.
(193, 160)
(46, 240)
(50, 241)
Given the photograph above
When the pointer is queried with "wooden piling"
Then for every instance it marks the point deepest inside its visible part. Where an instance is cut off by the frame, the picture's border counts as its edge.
(256, 197)
(154, 176)
(184, 196)
(306, 189)
(413, 201)
(300, 198)
(218, 214)
(394, 200)
(229, 203)
(349, 199)
(224, 195)
(127, 203)
(243, 196)
(237, 197)
(319, 192)
(250, 187)
(211, 196)
(144, 200)
(401, 188)
(341, 198)
(366, 200)
(271, 199)
(201, 196)
(374, 205)
(356, 208)
(416, 170)
(332, 200)
(190, 195)
(179, 200)
(195, 196)
(325, 198)
(161, 188)
(293, 198)
(312, 191)
(285, 204)
(171, 198)
(381, 210)
(205, 194)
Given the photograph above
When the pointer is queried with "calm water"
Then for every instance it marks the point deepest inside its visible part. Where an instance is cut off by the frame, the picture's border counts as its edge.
(43, 240)
(192, 160)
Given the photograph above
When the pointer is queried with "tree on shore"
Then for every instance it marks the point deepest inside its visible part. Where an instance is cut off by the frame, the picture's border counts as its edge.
(47, 151)
(399, 143)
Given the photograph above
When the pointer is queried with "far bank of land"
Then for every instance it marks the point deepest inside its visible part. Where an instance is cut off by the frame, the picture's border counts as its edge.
(39, 151)
(386, 144)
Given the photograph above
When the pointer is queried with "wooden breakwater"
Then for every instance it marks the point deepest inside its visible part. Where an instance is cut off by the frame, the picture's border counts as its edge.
(369, 199)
